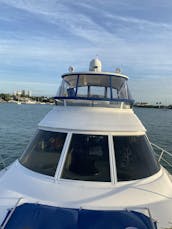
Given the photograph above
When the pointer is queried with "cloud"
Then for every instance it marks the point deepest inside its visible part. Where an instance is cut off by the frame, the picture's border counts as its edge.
(93, 24)
(40, 38)
(38, 84)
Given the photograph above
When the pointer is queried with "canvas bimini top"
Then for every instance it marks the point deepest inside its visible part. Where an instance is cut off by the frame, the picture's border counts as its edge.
(95, 85)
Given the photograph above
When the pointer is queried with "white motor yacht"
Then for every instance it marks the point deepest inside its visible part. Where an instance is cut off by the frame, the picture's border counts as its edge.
(90, 164)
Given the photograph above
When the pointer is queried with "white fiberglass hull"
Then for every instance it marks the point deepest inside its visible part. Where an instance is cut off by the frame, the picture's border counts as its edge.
(153, 193)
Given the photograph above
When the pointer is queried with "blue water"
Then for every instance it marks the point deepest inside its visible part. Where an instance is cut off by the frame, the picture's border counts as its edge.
(17, 125)
(158, 123)
(19, 122)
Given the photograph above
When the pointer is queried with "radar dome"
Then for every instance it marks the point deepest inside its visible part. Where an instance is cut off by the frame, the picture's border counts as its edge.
(95, 65)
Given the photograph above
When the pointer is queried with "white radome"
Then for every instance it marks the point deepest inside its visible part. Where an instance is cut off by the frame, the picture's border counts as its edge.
(95, 65)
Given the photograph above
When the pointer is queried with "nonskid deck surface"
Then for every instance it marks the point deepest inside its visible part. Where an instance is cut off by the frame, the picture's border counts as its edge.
(37, 216)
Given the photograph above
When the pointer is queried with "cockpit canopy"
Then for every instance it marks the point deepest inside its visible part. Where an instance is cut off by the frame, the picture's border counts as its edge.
(95, 86)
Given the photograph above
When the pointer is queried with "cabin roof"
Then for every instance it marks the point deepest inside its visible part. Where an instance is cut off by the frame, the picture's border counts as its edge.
(95, 73)
(93, 119)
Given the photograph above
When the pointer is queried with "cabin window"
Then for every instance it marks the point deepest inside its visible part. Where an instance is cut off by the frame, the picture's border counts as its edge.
(82, 91)
(114, 93)
(134, 158)
(43, 154)
(97, 92)
(87, 159)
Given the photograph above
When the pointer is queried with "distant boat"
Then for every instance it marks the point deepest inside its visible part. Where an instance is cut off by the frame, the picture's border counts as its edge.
(30, 102)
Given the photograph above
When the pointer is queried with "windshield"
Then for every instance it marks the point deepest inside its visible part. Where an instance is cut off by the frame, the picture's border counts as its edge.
(88, 156)
(43, 153)
(135, 158)
(87, 159)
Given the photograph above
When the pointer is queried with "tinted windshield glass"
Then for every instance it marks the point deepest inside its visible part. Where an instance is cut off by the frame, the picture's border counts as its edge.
(87, 159)
(44, 152)
(134, 158)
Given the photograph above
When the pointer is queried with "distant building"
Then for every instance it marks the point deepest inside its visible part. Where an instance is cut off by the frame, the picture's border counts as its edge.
(18, 93)
(23, 93)
(29, 93)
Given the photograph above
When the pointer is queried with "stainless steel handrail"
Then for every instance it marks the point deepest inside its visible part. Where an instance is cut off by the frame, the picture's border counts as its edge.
(4, 162)
(11, 213)
(163, 156)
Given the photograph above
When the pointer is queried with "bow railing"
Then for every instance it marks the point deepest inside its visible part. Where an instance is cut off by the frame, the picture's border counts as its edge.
(163, 156)
(4, 162)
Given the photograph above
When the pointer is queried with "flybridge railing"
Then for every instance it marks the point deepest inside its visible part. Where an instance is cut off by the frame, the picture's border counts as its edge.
(94, 102)
(92, 98)
(163, 156)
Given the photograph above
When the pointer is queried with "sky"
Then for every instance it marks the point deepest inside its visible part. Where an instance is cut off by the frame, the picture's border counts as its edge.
(40, 39)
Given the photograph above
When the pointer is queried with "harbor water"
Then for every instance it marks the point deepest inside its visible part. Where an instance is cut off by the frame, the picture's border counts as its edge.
(19, 122)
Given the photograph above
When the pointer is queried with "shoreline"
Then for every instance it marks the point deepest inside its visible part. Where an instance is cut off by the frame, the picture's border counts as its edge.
(153, 106)
(52, 103)
(28, 103)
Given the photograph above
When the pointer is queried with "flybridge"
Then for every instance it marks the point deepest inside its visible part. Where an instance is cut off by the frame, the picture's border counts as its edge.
(95, 86)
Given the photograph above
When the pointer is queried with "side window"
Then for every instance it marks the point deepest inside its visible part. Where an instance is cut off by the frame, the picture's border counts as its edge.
(114, 93)
(134, 158)
(87, 159)
(97, 92)
(44, 152)
(82, 92)
(71, 92)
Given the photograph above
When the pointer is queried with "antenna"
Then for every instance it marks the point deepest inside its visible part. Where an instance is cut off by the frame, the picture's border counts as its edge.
(118, 70)
(71, 69)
